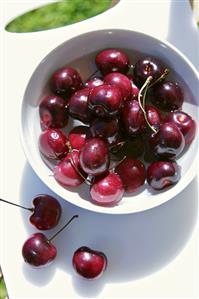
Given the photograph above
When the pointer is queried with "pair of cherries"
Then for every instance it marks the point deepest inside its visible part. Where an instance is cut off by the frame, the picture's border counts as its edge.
(113, 105)
(38, 250)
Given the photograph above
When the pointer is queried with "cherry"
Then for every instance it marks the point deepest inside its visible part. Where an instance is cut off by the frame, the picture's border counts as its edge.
(153, 115)
(67, 172)
(132, 173)
(96, 81)
(53, 112)
(146, 67)
(52, 144)
(105, 100)
(65, 81)
(94, 157)
(46, 212)
(112, 60)
(134, 89)
(133, 148)
(133, 118)
(162, 174)
(77, 137)
(89, 263)
(78, 105)
(38, 249)
(122, 82)
(168, 142)
(107, 190)
(185, 123)
(167, 96)
(107, 129)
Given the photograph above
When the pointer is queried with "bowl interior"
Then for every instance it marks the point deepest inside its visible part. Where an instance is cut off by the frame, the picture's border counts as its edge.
(79, 53)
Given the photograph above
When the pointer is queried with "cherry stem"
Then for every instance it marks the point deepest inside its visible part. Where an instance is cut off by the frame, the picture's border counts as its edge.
(164, 74)
(95, 72)
(59, 231)
(142, 106)
(79, 172)
(14, 204)
(112, 169)
(69, 146)
(118, 144)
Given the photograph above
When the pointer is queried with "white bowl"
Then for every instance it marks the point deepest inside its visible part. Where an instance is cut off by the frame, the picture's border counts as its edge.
(79, 52)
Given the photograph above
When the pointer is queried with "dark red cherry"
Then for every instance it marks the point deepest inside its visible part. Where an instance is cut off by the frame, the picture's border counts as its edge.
(134, 89)
(52, 144)
(162, 174)
(78, 105)
(96, 81)
(77, 137)
(107, 129)
(46, 212)
(94, 156)
(112, 60)
(65, 81)
(38, 251)
(167, 96)
(53, 112)
(133, 118)
(65, 172)
(107, 190)
(132, 173)
(145, 67)
(120, 81)
(185, 123)
(133, 148)
(105, 100)
(168, 142)
(89, 263)
(153, 115)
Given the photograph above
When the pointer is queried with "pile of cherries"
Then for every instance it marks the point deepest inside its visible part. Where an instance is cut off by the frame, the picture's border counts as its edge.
(39, 251)
(132, 130)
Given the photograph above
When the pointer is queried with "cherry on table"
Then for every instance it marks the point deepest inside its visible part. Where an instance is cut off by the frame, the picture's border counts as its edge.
(78, 105)
(53, 111)
(89, 263)
(112, 60)
(45, 213)
(132, 173)
(168, 141)
(38, 250)
(107, 190)
(65, 81)
(185, 123)
(53, 144)
(162, 174)
(105, 100)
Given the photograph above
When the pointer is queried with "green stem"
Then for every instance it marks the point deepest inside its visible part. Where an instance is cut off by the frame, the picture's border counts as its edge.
(59, 231)
(14, 204)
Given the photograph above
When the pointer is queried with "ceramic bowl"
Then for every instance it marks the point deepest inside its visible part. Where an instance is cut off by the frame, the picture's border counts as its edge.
(80, 52)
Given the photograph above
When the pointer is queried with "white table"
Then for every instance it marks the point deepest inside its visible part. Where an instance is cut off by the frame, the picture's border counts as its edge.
(151, 254)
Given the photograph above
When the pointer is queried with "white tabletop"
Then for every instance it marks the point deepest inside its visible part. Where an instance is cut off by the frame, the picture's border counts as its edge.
(150, 254)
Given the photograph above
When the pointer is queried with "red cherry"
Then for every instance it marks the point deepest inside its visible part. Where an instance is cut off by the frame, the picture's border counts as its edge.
(153, 115)
(122, 82)
(112, 60)
(65, 172)
(185, 123)
(107, 190)
(89, 263)
(65, 81)
(77, 137)
(53, 112)
(162, 174)
(96, 81)
(132, 173)
(52, 144)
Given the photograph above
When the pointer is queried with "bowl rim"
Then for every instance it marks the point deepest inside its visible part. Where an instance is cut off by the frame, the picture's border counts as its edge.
(171, 193)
